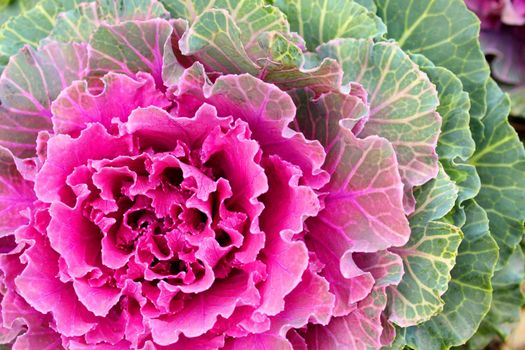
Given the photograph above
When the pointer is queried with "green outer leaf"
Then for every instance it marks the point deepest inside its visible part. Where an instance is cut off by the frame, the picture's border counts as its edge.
(215, 40)
(319, 21)
(445, 32)
(247, 36)
(455, 140)
(30, 27)
(500, 162)
(428, 256)
(434, 199)
(517, 98)
(279, 51)
(79, 23)
(11, 8)
(252, 17)
(427, 259)
(369, 4)
(507, 301)
(455, 144)
(76, 25)
(469, 293)
(465, 177)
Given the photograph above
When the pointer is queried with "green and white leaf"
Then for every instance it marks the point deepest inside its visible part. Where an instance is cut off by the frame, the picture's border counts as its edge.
(79, 23)
(215, 40)
(252, 17)
(31, 26)
(445, 32)
(455, 140)
(500, 162)
(455, 144)
(428, 257)
(517, 99)
(12, 8)
(319, 21)
(469, 293)
(507, 301)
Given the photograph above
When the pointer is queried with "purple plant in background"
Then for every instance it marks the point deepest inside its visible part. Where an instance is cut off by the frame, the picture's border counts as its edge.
(503, 41)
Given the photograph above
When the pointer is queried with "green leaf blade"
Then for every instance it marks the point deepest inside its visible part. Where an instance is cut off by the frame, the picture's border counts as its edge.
(445, 32)
(320, 21)
(500, 162)
(469, 294)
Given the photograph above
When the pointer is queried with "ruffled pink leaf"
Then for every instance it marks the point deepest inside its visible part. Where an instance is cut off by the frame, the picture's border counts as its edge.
(363, 213)
(347, 281)
(30, 327)
(156, 128)
(110, 329)
(30, 82)
(258, 342)
(266, 109)
(204, 342)
(287, 205)
(98, 300)
(40, 287)
(297, 341)
(200, 313)
(363, 204)
(16, 194)
(76, 106)
(65, 153)
(310, 302)
(285, 262)
(75, 238)
(237, 157)
(360, 330)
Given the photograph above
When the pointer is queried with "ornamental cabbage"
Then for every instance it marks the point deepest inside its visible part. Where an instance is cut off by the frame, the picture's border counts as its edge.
(238, 174)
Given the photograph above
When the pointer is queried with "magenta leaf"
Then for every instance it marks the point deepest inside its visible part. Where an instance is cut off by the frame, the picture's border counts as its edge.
(92, 144)
(360, 330)
(363, 213)
(259, 342)
(16, 194)
(200, 313)
(38, 284)
(267, 110)
(76, 106)
(286, 260)
(310, 302)
(364, 201)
